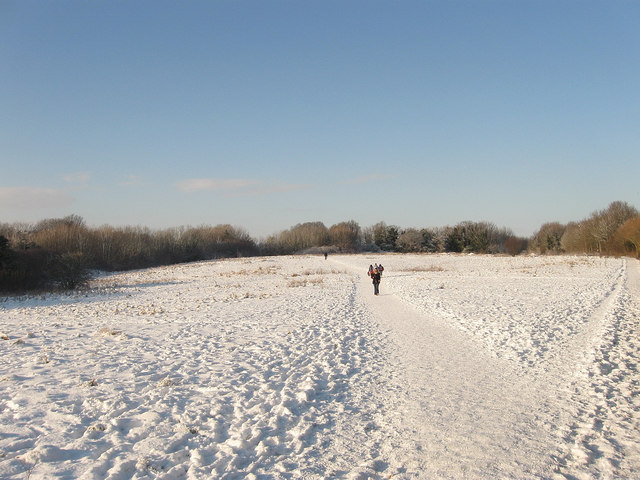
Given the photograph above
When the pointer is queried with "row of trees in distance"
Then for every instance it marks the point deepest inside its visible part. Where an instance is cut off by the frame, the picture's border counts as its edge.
(62, 251)
(612, 231)
(477, 237)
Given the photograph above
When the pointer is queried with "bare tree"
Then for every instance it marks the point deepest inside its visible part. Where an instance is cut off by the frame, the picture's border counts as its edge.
(626, 240)
(410, 240)
(345, 235)
(593, 234)
(548, 239)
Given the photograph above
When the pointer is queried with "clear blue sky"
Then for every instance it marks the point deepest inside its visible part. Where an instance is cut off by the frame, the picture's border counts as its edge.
(265, 114)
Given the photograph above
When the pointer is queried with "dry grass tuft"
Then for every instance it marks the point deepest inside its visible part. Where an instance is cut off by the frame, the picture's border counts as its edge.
(270, 270)
(98, 427)
(151, 309)
(109, 332)
(317, 271)
(303, 282)
(166, 382)
(424, 268)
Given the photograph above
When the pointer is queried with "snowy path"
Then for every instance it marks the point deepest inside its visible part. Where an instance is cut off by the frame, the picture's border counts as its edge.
(569, 410)
(602, 438)
(470, 415)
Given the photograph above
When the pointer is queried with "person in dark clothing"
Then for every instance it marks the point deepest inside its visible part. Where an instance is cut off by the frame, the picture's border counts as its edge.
(375, 276)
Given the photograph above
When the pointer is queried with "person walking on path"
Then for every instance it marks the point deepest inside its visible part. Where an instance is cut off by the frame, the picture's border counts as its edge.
(375, 276)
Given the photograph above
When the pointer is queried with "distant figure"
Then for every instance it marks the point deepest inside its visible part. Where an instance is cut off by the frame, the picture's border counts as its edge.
(380, 269)
(325, 255)
(370, 270)
(375, 276)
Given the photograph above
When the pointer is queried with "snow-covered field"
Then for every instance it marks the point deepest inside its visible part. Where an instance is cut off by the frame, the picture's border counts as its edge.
(289, 367)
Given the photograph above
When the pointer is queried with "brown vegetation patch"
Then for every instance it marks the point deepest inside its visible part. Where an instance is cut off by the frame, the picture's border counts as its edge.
(317, 271)
(110, 332)
(270, 270)
(303, 282)
(424, 268)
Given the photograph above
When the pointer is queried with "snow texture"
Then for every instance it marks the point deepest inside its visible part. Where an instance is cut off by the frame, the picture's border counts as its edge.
(472, 367)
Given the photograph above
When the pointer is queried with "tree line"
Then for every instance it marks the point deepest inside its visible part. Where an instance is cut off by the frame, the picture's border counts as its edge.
(62, 252)
(612, 231)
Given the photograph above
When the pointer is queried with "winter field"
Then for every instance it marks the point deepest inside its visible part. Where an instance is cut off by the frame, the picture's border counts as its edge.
(470, 367)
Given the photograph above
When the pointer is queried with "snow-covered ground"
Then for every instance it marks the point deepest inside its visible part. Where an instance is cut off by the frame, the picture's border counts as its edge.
(289, 367)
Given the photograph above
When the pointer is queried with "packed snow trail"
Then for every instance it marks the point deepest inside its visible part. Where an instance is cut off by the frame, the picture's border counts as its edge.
(602, 438)
(556, 403)
(468, 414)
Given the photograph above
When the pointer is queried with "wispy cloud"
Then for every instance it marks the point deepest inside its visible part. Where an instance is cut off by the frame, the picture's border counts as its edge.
(130, 181)
(77, 178)
(235, 186)
(33, 197)
(264, 188)
(214, 184)
(368, 178)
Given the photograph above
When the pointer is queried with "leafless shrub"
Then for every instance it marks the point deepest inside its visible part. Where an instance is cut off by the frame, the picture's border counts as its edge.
(515, 245)
(71, 270)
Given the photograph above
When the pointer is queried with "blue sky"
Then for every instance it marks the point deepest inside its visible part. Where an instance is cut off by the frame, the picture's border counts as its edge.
(265, 114)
